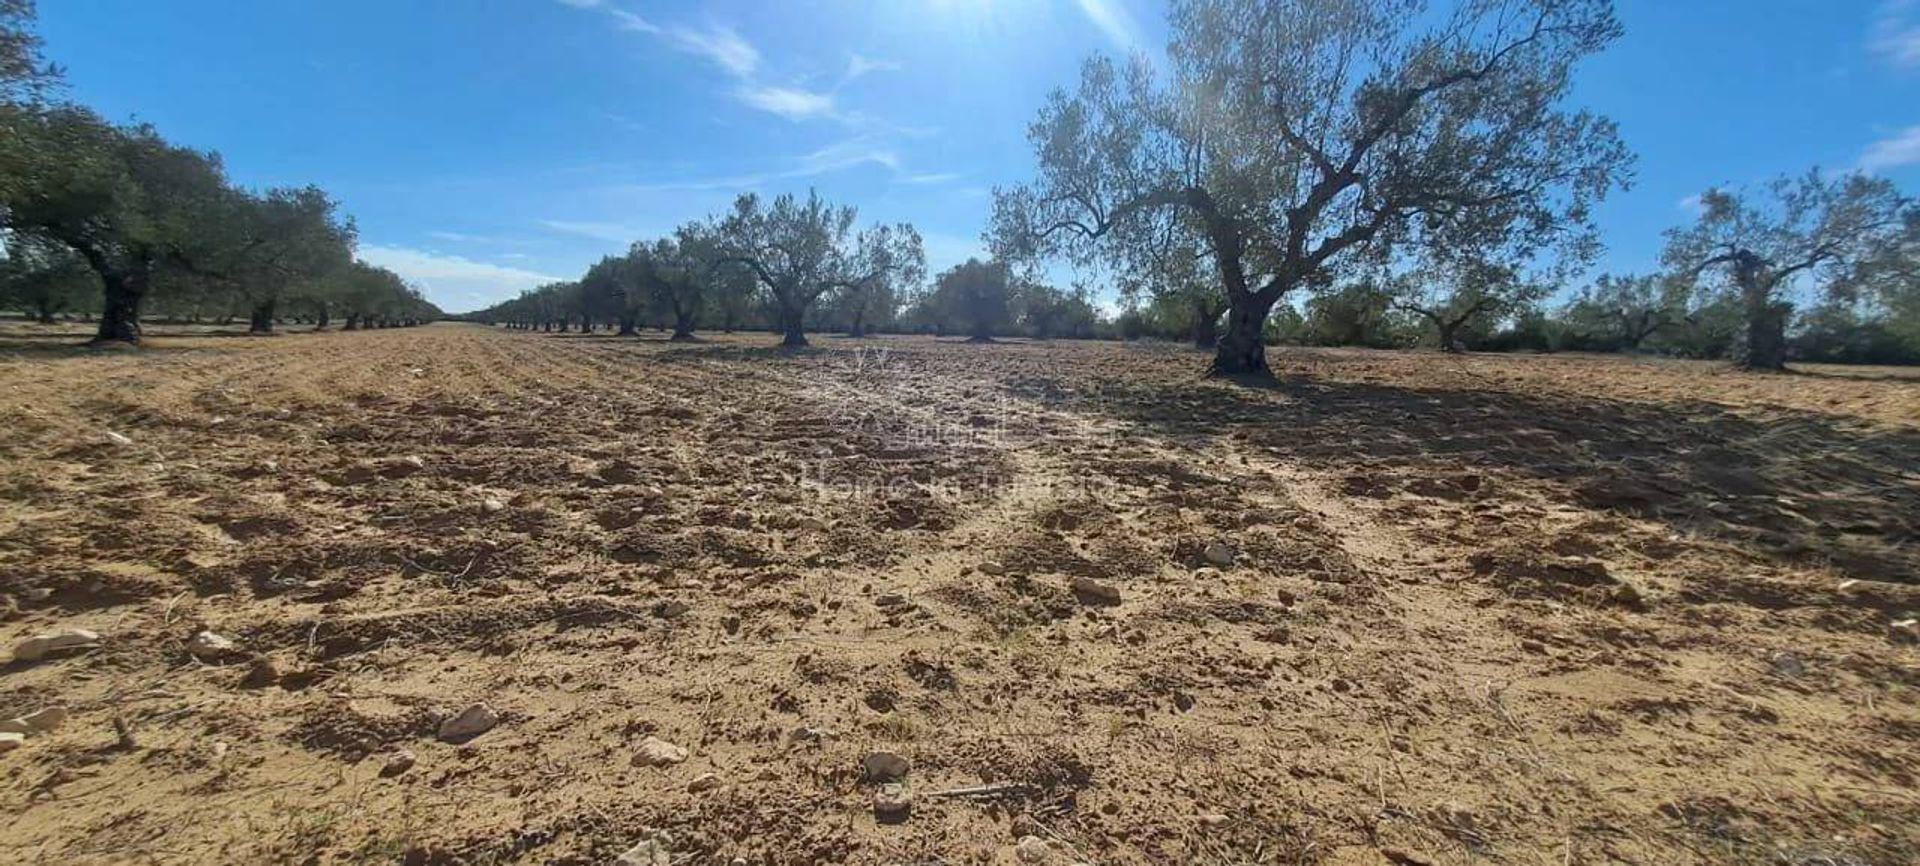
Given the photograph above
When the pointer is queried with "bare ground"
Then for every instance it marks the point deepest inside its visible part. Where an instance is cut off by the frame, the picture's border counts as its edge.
(1510, 609)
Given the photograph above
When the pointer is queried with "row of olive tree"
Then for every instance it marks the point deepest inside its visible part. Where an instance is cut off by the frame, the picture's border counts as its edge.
(88, 203)
(784, 256)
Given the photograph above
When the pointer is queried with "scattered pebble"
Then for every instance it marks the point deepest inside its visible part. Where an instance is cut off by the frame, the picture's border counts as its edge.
(885, 767)
(469, 723)
(208, 646)
(653, 852)
(993, 568)
(39, 647)
(118, 439)
(892, 804)
(399, 763)
(492, 506)
(1788, 664)
(1220, 554)
(671, 608)
(1033, 849)
(655, 752)
(1904, 631)
(37, 722)
(703, 782)
(1092, 591)
(805, 734)
(10, 740)
(265, 672)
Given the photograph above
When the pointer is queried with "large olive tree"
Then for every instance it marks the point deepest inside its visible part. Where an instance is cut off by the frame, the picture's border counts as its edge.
(1834, 230)
(1297, 137)
(802, 250)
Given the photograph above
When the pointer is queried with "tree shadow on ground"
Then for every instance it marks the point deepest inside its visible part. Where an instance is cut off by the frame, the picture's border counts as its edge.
(1791, 486)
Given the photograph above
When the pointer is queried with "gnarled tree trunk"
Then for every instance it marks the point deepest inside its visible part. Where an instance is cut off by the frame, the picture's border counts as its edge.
(120, 310)
(793, 325)
(1242, 350)
(260, 321)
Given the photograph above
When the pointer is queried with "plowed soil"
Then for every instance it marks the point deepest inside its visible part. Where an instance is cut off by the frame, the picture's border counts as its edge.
(1395, 608)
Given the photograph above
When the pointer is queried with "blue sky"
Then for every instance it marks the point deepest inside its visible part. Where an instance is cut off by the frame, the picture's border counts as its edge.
(488, 145)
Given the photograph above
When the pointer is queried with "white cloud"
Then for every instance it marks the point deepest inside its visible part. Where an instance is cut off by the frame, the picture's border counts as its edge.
(583, 4)
(600, 231)
(1690, 204)
(454, 282)
(722, 46)
(1113, 19)
(858, 66)
(861, 150)
(1903, 148)
(791, 103)
(1896, 32)
(931, 177)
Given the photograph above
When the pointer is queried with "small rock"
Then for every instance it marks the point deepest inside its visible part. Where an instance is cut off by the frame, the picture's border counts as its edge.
(892, 804)
(655, 752)
(208, 646)
(671, 608)
(885, 767)
(1788, 664)
(653, 852)
(1628, 596)
(1033, 849)
(1091, 591)
(492, 506)
(805, 734)
(469, 723)
(1904, 631)
(993, 568)
(703, 782)
(1220, 554)
(412, 462)
(399, 763)
(36, 722)
(118, 439)
(39, 647)
(811, 524)
(889, 599)
(10, 740)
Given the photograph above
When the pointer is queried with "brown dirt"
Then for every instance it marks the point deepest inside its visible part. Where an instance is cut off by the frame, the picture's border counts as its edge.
(1520, 609)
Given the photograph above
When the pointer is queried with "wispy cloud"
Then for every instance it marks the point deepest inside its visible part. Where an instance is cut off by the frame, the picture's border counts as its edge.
(791, 103)
(931, 177)
(1896, 32)
(1113, 19)
(1901, 148)
(600, 231)
(721, 45)
(454, 282)
(1691, 204)
(858, 66)
(851, 153)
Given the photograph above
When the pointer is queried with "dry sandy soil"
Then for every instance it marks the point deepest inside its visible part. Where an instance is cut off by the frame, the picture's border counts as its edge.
(1396, 608)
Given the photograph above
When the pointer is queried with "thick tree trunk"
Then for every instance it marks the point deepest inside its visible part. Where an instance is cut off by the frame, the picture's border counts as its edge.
(682, 327)
(261, 320)
(120, 310)
(1242, 350)
(859, 328)
(1449, 341)
(793, 324)
(627, 323)
(353, 322)
(1206, 327)
(1766, 347)
(321, 321)
(45, 314)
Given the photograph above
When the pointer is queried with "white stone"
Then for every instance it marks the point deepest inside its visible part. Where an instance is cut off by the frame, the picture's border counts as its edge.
(471, 722)
(703, 782)
(39, 647)
(656, 752)
(10, 741)
(208, 645)
(1220, 554)
(492, 506)
(653, 852)
(118, 439)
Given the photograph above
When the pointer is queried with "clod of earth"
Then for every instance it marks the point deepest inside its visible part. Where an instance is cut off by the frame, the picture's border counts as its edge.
(885, 767)
(1095, 592)
(1220, 554)
(118, 438)
(471, 722)
(66, 640)
(10, 741)
(1904, 631)
(703, 782)
(655, 752)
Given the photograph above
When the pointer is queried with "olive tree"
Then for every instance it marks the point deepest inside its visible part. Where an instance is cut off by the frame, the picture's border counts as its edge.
(123, 198)
(1298, 138)
(802, 250)
(678, 273)
(1452, 296)
(1831, 230)
(1625, 311)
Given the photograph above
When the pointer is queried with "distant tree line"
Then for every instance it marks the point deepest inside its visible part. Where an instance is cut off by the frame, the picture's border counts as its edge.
(113, 222)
